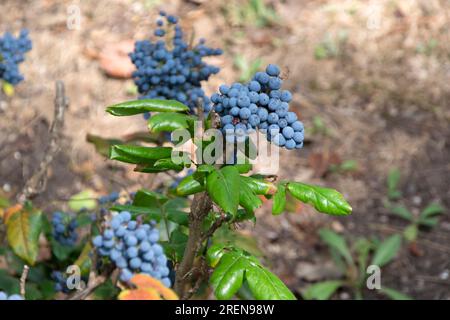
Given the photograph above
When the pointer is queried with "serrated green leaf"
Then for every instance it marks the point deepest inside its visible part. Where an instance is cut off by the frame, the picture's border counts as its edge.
(189, 185)
(23, 229)
(337, 242)
(322, 290)
(324, 200)
(223, 188)
(394, 294)
(233, 265)
(279, 200)
(402, 212)
(387, 250)
(410, 232)
(139, 154)
(169, 122)
(84, 200)
(130, 108)
(247, 198)
(432, 209)
(259, 185)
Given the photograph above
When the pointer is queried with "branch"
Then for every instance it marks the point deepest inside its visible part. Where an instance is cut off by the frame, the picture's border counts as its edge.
(23, 280)
(37, 182)
(200, 207)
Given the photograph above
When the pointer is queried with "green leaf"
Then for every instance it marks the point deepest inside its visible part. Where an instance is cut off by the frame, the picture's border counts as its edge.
(429, 222)
(247, 198)
(130, 108)
(23, 230)
(392, 182)
(431, 210)
(410, 232)
(149, 213)
(148, 198)
(323, 199)
(138, 154)
(259, 186)
(233, 265)
(59, 251)
(179, 217)
(85, 199)
(169, 122)
(223, 187)
(176, 246)
(189, 185)
(337, 242)
(394, 294)
(244, 167)
(206, 168)
(402, 212)
(322, 290)
(387, 250)
(279, 200)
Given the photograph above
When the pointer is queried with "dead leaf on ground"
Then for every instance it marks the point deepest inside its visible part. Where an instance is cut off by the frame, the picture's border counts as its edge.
(114, 59)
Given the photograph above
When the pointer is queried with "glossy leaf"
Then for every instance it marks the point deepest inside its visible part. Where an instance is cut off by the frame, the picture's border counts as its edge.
(279, 199)
(247, 198)
(244, 167)
(130, 108)
(337, 242)
(223, 188)
(387, 250)
(189, 185)
(322, 290)
(138, 154)
(169, 122)
(259, 186)
(324, 200)
(233, 265)
(23, 230)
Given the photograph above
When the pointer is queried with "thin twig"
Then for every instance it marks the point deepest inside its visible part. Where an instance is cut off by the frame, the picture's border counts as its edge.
(37, 182)
(23, 280)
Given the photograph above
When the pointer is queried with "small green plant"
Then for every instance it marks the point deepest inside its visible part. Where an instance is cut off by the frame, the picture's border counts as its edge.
(426, 218)
(344, 166)
(250, 12)
(246, 68)
(331, 47)
(393, 181)
(353, 263)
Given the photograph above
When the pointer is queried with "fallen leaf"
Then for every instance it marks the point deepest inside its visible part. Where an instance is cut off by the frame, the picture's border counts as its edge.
(114, 59)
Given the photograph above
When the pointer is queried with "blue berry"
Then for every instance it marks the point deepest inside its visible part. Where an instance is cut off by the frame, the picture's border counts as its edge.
(290, 144)
(273, 70)
(64, 229)
(288, 132)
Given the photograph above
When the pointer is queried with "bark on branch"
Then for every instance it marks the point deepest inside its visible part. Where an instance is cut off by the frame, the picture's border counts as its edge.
(200, 207)
(37, 182)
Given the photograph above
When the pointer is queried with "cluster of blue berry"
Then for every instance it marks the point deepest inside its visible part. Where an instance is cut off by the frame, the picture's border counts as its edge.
(12, 53)
(170, 69)
(64, 229)
(112, 197)
(4, 296)
(259, 104)
(133, 248)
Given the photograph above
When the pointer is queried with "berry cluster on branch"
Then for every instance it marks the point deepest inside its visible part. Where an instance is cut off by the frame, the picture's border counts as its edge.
(12, 53)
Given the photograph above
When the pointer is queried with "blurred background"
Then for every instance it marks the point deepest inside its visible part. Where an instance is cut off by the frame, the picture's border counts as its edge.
(370, 80)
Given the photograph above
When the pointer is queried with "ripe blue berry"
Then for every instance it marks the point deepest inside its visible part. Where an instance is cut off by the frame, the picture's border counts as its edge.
(273, 70)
